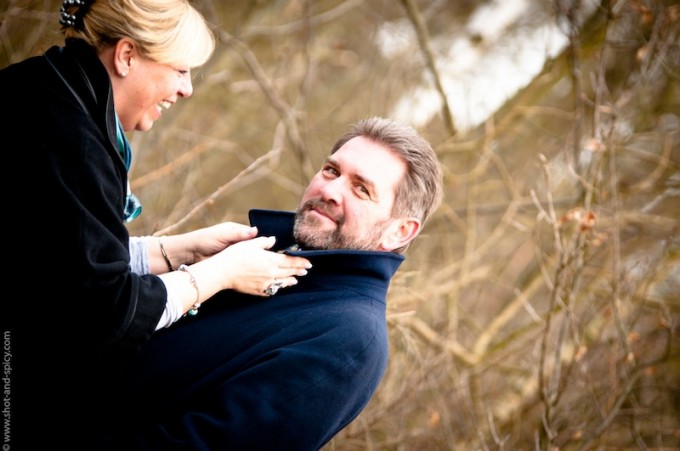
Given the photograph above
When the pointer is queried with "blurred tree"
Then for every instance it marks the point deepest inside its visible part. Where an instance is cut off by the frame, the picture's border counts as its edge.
(540, 308)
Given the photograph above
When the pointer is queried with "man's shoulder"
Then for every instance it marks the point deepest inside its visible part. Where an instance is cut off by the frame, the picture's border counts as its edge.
(351, 321)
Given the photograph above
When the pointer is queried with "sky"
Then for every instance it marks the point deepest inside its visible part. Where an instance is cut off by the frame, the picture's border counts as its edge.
(479, 76)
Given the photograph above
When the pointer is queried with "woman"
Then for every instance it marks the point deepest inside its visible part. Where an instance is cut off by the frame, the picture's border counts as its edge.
(94, 295)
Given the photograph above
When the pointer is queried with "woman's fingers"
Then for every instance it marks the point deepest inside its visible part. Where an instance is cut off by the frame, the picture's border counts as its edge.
(251, 267)
(295, 264)
(273, 286)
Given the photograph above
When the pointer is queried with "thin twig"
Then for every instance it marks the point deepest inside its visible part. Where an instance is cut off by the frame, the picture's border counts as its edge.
(424, 41)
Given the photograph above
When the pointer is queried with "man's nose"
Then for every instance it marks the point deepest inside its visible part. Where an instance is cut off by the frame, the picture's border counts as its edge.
(333, 190)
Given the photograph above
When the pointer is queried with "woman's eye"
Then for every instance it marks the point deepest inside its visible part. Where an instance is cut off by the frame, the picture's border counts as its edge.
(181, 70)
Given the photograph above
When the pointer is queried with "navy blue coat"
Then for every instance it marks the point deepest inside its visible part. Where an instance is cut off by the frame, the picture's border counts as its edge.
(250, 373)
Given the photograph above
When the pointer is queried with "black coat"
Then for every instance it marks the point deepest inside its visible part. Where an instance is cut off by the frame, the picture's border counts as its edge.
(79, 311)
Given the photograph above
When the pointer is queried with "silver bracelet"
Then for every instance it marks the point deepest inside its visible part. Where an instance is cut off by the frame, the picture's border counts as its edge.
(165, 254)
(193, 311)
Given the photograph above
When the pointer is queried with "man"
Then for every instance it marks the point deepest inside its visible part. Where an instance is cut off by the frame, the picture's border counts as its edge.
(292, 370)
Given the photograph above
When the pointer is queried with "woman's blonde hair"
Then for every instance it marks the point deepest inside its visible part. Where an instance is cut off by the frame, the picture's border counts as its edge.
(169, 32)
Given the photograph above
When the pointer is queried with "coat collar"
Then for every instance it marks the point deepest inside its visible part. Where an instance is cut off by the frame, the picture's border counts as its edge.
(377, 264)
(81, 70)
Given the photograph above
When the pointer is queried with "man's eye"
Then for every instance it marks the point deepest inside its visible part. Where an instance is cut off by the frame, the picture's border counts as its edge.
(328, 170)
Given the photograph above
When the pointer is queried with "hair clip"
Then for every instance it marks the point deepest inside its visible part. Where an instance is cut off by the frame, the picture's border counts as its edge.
(71, 20)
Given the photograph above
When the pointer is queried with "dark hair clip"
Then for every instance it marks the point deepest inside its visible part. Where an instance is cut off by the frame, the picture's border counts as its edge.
(73, 20)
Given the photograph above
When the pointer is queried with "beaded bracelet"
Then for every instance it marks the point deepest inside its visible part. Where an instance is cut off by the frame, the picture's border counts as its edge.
(165, 255)
(193, 311)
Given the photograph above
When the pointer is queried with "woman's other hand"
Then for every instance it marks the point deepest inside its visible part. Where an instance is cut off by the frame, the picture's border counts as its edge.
(209, 241)
(250, 267)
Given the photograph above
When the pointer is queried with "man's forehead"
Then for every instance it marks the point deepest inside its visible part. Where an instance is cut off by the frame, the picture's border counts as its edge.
(371, 161)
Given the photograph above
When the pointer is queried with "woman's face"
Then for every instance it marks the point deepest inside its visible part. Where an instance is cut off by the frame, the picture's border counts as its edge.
(143, 88)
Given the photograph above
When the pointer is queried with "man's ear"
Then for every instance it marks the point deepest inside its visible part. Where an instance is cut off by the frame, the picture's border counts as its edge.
(400, 233)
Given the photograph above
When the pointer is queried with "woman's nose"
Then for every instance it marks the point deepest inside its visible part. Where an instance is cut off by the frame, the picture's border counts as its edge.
(186, 88)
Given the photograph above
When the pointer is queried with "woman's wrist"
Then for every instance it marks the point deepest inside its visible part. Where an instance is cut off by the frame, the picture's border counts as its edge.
(173, 252)
(193, 311)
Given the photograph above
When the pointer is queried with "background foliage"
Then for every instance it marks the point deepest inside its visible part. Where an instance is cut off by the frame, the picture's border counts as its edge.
(540, 308)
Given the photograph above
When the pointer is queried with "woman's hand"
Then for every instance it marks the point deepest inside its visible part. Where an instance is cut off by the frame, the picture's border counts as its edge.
(195, 246)
(224, 256)
(249, 267)
(209, 241)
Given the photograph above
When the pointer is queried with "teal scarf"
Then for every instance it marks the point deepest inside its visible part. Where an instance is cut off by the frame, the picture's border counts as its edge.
(133, 207)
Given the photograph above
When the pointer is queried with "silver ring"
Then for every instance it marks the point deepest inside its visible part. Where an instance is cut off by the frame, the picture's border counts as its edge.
(273, 288)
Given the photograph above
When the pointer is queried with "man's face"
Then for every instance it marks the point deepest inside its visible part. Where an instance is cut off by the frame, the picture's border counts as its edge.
(348, 203)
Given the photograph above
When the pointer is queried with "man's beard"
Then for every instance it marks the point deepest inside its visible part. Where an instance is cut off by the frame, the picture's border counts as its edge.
(308, 235)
